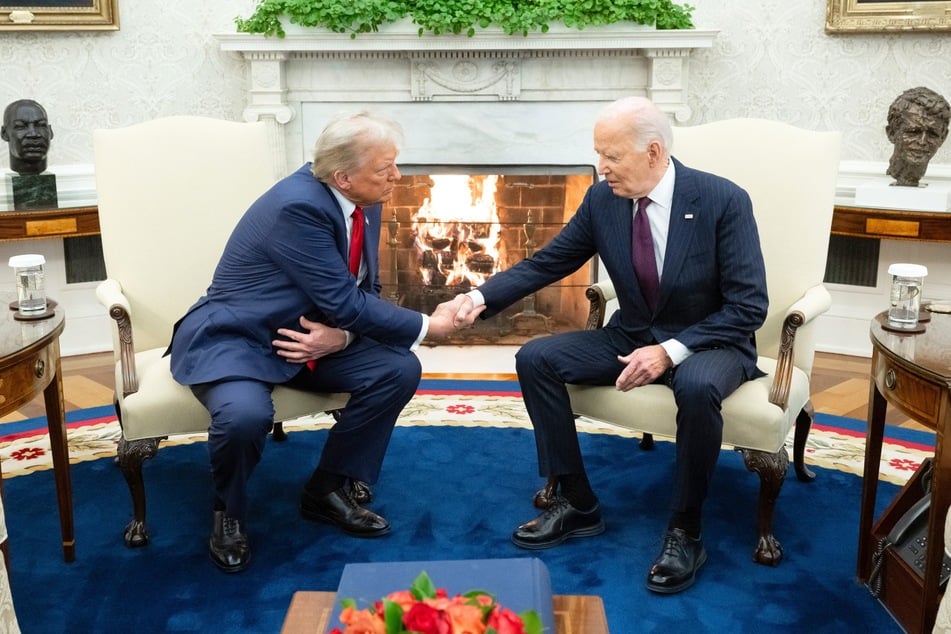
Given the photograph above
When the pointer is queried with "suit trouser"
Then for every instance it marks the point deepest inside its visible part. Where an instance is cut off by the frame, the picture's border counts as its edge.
(589, 357)
(380, 380)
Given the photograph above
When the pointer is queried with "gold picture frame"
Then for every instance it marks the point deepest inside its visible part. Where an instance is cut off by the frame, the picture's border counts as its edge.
(878, 16)
(59, 15)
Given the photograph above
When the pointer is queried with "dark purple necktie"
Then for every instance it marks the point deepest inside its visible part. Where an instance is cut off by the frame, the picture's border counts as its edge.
(645, 266)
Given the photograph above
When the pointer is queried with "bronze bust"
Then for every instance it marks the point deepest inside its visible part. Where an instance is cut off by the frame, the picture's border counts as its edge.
(917, 126)
(27, 130)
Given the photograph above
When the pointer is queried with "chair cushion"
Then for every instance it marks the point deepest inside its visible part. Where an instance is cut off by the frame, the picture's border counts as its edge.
(164, 407)
(750, 421)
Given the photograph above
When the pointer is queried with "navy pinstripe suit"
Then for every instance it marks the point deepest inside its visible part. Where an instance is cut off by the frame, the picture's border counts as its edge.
(712, 299)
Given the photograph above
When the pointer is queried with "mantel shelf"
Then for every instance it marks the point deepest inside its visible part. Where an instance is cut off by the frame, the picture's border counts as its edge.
(404, 37)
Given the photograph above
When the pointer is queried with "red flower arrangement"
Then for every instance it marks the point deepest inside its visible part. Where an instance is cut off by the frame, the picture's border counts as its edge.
(425, 609)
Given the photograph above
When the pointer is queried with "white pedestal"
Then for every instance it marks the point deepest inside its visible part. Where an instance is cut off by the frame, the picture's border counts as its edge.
(928, 196)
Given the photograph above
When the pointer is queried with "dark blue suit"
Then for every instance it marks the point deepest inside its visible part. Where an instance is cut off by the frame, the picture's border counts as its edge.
(287, 257)
(712, 299)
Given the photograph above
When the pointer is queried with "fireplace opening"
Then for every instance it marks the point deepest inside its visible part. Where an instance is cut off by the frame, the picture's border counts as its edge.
(448, 228)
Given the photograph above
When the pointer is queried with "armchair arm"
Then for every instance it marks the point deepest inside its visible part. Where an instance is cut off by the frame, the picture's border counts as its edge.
(598, 294)
(814, 302)
(109, 293)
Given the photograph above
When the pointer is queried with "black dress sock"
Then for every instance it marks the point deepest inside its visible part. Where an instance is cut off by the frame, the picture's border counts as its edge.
(324, 482)
(689, 521)
(577, 490)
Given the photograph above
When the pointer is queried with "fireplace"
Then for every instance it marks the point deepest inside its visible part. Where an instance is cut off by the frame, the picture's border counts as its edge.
(448, 228)
(505, 111)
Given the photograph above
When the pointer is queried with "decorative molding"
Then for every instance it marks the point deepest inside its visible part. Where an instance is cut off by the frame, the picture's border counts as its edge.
(469, 76)
(597, 64)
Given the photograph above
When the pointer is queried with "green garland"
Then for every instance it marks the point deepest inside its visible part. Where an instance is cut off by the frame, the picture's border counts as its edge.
(461, 16)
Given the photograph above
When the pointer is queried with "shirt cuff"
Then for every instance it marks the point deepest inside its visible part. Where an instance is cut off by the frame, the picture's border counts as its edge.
(677, 351)
(422, 333)
(476, 297)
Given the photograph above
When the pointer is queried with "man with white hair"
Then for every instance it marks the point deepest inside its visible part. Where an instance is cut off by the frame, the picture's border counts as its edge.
(682, 249)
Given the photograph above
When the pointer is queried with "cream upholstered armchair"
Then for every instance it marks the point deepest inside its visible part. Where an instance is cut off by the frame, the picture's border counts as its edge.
(790, 175)
(170, 191)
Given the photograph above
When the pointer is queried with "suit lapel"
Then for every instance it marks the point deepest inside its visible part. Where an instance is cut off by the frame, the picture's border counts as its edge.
(684, 211)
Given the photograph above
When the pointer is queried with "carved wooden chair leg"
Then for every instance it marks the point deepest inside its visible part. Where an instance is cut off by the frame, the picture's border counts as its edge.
(803, 426)
(771, 468)
(647, 442)
(130, 456)
(543, 496)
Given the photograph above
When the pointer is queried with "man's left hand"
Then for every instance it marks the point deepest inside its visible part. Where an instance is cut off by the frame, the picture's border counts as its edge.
(643, 366)
(318, 341)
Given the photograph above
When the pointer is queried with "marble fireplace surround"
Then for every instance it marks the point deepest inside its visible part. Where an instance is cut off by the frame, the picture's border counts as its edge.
(488, 99)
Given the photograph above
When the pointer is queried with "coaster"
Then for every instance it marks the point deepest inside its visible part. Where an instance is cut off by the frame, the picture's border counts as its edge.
(34, 316)
(50, 305)
(902, 331)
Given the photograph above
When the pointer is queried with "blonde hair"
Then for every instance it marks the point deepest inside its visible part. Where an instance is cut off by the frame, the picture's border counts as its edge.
(345, 140)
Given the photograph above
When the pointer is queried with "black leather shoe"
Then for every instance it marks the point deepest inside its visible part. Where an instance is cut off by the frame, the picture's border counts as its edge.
(339, 509)
(676, 567)
(559, 522)
(228, 544)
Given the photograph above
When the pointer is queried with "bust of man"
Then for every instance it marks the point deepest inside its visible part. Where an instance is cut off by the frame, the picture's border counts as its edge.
(917, 126)
(28, 132)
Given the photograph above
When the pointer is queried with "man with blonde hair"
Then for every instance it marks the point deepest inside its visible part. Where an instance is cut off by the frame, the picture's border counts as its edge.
(296, 300)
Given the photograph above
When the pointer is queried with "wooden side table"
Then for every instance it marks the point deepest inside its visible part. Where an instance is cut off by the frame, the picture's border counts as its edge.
(30, 364)
(574, 613)
(891, 224)
(54, 222)
(913, 373)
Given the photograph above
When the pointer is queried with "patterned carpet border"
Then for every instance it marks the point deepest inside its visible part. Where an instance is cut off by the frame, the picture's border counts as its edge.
(830, 447)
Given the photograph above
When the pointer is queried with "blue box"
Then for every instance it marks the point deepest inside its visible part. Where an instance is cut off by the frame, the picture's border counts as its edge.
(518, 584)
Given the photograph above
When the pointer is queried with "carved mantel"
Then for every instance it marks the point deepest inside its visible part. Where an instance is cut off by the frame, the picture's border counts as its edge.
(396, 65)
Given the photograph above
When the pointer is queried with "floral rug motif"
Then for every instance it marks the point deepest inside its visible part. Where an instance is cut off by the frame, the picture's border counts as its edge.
(829, 446)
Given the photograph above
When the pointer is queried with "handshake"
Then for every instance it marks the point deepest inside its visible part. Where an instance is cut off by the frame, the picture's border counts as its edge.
(458, 312)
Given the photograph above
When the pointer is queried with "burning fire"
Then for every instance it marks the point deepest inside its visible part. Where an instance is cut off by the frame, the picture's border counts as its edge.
(457, 230)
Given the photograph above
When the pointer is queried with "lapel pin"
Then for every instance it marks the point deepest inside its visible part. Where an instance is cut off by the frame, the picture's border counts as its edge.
(688, 216)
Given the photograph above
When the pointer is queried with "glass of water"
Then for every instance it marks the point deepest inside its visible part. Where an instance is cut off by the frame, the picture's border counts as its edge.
(907, 280)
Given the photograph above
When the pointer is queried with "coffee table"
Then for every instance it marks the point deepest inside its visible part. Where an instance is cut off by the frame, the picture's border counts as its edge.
(574, 613)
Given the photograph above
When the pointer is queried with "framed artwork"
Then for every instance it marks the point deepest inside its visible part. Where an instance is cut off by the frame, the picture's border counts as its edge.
(59, 15)
(887, 16)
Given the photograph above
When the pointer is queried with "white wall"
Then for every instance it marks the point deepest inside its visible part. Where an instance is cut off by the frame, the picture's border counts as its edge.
(772, 59)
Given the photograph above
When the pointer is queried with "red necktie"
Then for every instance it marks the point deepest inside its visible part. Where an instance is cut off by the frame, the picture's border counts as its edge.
(356, 240)
(645, 266)
(356, 251)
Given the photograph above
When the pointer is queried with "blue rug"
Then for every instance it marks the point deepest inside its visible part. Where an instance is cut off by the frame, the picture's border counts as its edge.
(450, 493)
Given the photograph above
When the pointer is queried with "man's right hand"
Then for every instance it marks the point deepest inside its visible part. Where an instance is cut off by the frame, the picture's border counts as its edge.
(445, 318)
(467, 312)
